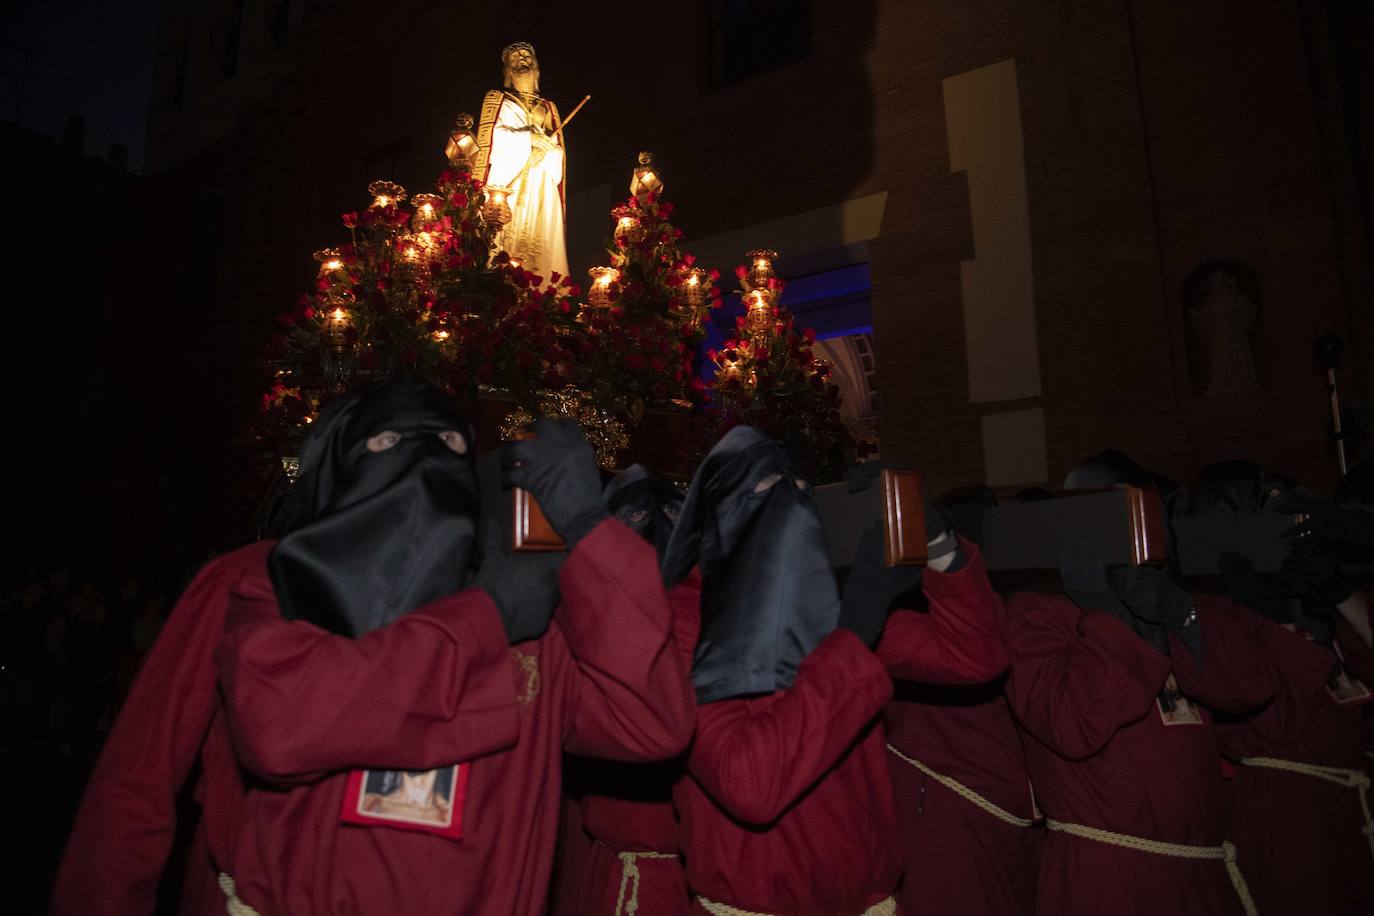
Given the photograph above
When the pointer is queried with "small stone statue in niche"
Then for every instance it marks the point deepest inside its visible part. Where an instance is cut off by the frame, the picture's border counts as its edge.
(1221, 300)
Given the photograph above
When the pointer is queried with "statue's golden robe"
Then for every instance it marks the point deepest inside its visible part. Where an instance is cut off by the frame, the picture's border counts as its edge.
(522, 149)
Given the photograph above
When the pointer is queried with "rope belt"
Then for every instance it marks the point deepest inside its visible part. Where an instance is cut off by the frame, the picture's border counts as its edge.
(233, 904)
(886, 907)
(1351, 779)
(629, 878)
(964, 792)
(1226, 852)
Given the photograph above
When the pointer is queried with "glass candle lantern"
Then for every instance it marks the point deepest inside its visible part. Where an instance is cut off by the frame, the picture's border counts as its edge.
(601, 293)
(461, 147)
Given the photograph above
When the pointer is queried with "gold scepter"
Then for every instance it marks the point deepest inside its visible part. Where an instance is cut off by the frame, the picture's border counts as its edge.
(564, 123)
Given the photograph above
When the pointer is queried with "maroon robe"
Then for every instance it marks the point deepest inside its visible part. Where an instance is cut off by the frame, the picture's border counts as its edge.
(1300, 838)
(629, 808)
(1084, 692)
(789, 808)
(957, 857)
(127, 821)
(439, 686)
(573, 851)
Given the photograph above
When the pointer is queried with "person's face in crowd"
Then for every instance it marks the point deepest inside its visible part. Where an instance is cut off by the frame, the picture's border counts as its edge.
(129, 590)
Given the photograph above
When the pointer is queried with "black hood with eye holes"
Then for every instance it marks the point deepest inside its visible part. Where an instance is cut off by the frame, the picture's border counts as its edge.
(768, 594)
(645, 502)
(380, 534)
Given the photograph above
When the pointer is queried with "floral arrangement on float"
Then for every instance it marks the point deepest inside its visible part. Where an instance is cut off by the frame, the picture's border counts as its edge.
(420, 285)
(769, 377)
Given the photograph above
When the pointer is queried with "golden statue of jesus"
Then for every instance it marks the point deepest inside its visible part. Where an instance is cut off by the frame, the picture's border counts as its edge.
(521, 148)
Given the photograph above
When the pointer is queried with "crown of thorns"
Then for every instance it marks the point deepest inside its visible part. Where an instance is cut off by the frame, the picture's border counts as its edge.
(515, 46)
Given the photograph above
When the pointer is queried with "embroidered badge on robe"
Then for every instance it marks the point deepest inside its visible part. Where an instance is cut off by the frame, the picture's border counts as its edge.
(1345, 688)
(430, 801)
(1174, 707)
(527, 681)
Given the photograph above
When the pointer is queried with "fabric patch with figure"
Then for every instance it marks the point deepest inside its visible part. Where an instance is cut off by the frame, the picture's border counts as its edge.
(1174, 707)
(430, 801)
(1345, 688)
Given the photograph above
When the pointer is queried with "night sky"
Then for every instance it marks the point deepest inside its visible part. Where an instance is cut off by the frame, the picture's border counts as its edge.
(88, 57)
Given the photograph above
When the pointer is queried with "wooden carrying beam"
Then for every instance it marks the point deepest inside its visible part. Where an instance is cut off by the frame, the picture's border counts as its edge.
(895, 499)
(904, 518)
(530, 530)
(1127, 523)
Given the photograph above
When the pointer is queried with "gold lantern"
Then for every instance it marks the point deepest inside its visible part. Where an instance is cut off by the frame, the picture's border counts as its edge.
(426, 211)
(442, 332)
(628, 228)
(600, 293)
(337, 321)
(646, 178)
(462, 145)
(730, 367)
(761, 266)
(410, 249)
(330, 260)
(758, 315)
(386, 194)
(694, 286)
(496, 208)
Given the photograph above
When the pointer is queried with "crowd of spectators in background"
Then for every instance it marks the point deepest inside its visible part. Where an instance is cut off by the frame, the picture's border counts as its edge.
(70, 648)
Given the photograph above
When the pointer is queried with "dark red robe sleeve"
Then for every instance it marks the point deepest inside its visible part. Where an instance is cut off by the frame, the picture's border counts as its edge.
(755, 757)
(633, 698)
(435, 687)
(960, 641)
(1077, 676)
(127, 820)
(1236, 674)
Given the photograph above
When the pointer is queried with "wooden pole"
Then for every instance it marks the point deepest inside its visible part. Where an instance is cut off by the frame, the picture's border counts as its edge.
(565, 121)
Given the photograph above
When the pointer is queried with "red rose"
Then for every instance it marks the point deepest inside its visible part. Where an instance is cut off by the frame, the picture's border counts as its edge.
(458, 200)
(350, 219)
(741, 271)
(309, 312)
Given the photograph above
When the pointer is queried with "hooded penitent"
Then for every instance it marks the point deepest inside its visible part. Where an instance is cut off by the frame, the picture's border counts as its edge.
(768, 595)
(1239, 487)
(1234, 487)
(645, 502)
(377, 534)
(1150, 600)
